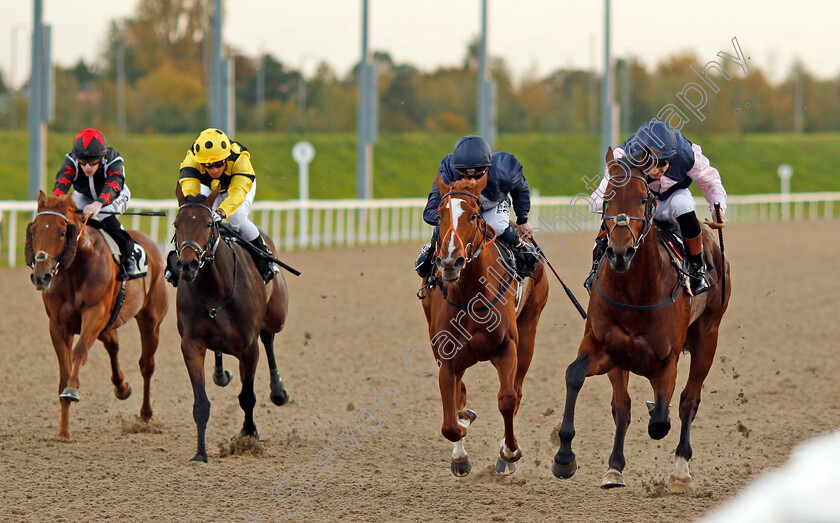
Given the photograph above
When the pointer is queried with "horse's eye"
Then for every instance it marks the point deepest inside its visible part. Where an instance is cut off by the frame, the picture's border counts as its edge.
(63, 234)
(474, 216)
(209, 224)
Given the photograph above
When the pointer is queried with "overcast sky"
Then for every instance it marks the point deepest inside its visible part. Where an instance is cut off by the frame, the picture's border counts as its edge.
(533, 36)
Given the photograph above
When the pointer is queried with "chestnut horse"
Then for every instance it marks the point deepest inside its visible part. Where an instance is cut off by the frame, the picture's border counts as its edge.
(77, 277)
(224, 305)
(639, 321)
(472, 317)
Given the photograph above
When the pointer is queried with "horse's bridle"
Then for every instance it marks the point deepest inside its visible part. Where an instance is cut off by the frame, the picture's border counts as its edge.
(622, 220)
(206, 253)
(42, 256)
(475, 251)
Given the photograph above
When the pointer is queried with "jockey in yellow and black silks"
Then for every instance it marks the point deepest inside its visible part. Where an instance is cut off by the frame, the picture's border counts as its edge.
(213, 162)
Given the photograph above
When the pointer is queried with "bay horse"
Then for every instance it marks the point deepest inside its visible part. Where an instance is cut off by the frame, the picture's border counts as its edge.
(472, 317)
(75, 272)
(224, 305)
(639, 321)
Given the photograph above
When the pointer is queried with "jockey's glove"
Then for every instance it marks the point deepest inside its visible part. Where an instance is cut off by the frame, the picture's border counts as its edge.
(217, 217)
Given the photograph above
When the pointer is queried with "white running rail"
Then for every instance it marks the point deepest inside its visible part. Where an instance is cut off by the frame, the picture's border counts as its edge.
(344, 223)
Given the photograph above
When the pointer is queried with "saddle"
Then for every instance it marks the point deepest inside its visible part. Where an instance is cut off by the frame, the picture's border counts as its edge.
(670, 237)
(140, 255)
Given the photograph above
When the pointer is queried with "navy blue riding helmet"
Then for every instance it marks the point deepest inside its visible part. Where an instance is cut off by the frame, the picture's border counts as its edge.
(655, 140)
(471, 154)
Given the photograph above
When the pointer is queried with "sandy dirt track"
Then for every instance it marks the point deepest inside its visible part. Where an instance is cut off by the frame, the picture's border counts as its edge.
(353, 317)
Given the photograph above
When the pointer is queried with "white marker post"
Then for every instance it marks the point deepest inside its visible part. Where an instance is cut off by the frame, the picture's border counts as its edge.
(785, 174)
(303, 153)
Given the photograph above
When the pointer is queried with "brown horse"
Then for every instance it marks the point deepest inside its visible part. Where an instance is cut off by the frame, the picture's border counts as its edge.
(472, 317)
(639, 321)
(223, 304)
(77, 277)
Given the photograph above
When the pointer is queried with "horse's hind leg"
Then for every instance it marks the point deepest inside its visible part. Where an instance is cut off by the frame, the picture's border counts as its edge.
(509, 451)
(247, 399)
(193, 352)
(61, 340)
(122, 389)
(149, 325)
(621, 416)
(279, 395)
(702, 343)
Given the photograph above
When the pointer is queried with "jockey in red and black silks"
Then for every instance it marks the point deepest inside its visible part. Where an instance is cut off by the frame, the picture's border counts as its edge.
(96, 173)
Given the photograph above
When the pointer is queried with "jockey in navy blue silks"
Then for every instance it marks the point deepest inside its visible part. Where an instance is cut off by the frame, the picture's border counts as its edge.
(471, 159)
(671, 163)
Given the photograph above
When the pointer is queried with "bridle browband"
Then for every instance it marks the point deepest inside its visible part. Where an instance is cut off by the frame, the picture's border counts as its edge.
(471, 245)
(206, 253)
(622, 220)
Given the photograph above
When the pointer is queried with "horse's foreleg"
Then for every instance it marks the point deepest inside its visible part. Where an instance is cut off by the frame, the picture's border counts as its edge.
(589, 362)
(247, 399)
(93, 320)
(193, 352)
(453, 428)
(61, 340)
(621, 416)
(279, 395)
(663, 390)
(703, 348)
(122, 389)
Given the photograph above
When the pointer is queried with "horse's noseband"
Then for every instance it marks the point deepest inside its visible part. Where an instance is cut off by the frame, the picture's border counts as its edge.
(207, 253)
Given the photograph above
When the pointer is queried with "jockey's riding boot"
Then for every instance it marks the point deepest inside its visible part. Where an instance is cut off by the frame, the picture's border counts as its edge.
(265, 267)
(598, 251)
(424, 264)
(171, 274)
(698, 276)
(129, 265)
(525, 255)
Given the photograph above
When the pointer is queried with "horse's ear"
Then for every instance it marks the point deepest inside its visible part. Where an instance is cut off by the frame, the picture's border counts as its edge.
(609, 157)
(42, 198)
(212, 197)
(179, 193)
(28, 253)
(481, 184)
(69, 251)
(441, 186)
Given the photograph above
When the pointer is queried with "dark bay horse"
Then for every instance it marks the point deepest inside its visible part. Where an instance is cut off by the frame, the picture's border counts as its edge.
(77, 277)
(224, 305)
(472, 317)
(639, 321)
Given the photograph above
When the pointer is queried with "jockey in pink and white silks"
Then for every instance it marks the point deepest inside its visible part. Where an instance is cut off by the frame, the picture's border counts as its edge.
(671, 163)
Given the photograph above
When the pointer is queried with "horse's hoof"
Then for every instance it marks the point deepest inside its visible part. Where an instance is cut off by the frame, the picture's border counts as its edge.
(461, 468)
(124, 396)
(64, 436)
(199, 458)
(612, 479)
(505, 468)
(69, 394)
(679, 485)
(472, 415)
(222, 378)
(564, 471)
(280, 399)
(255, 435)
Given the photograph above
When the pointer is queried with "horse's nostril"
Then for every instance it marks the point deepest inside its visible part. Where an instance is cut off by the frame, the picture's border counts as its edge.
(610, 253)
(47, 278)
(193, 265)
(629, 252)
(32, 277)
(459, 263)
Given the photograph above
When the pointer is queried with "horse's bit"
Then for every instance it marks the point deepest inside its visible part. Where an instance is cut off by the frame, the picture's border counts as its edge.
(469, 246)
(622, 220)
(206, 253)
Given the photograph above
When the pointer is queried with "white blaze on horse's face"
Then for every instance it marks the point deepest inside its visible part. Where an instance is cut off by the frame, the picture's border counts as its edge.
(456, 209)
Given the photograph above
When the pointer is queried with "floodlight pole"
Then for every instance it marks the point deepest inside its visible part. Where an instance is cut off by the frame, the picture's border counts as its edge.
(364, 123)
(606, 91)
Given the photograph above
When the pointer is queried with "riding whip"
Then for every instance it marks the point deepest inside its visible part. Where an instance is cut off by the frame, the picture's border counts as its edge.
(142, 213)
(251, 247)
(567, 289)
(723, 268)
